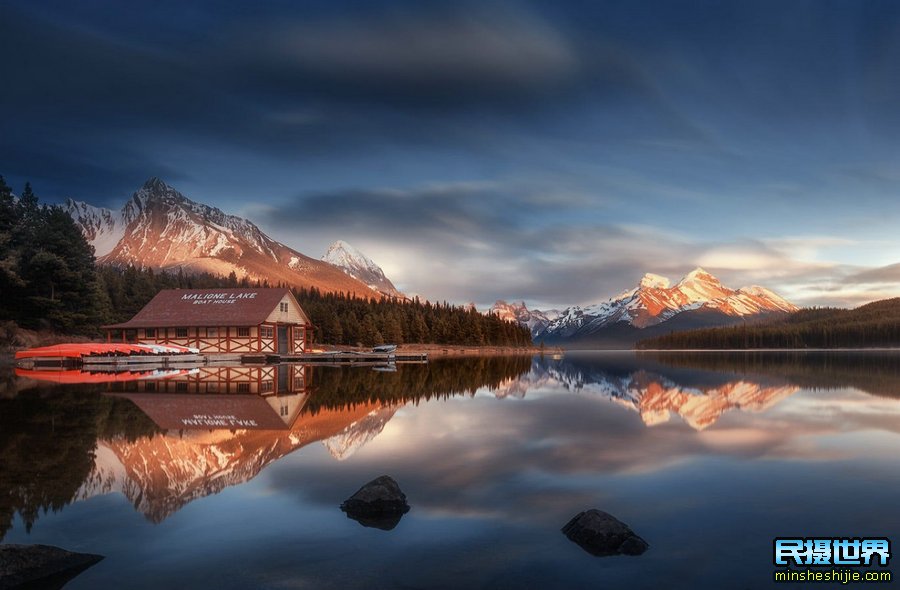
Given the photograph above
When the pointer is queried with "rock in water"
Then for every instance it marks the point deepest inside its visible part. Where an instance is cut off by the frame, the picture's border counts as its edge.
(378, 504)
(41, 566)
(602, 534)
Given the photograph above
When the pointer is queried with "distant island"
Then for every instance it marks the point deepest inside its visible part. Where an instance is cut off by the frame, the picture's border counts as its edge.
(874, 325)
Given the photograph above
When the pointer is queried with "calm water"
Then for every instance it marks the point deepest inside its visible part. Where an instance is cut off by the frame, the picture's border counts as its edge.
(706, 456)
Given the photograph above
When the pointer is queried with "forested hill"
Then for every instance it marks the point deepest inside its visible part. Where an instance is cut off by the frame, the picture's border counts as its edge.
(49, 281)
(876, 324)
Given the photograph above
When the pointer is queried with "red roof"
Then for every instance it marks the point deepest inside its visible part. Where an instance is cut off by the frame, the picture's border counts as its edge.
(174, 308)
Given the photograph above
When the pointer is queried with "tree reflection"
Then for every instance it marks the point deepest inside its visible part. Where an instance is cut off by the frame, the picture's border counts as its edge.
(50, 435)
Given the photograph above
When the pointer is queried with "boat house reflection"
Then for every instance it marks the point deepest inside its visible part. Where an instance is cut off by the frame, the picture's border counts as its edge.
(249, 398)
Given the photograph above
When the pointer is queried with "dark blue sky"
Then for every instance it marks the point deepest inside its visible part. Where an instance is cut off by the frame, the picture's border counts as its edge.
(547, 151)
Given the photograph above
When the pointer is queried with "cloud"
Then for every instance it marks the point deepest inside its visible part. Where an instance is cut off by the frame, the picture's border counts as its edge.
(439, 57)
(482, 241)
(882, 275)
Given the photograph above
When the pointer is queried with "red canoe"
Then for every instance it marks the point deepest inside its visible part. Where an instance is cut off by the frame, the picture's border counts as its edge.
(76, 351)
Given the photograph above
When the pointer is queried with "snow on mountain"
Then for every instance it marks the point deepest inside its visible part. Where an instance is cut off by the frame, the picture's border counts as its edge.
(160, 228)
(536, 320)
(102, 228)
(656, 300)
(359, 433)
(360, 267)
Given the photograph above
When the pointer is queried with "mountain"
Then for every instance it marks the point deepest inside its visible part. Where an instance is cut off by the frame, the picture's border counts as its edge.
(536, 320)
(162, 229)
(873, 325)
(657, 307)
(360, 267)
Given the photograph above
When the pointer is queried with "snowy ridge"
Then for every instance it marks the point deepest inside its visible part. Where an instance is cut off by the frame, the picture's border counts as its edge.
(536, 320)
(102, 228)
(162, 229)
(656, 301)
(361, 267)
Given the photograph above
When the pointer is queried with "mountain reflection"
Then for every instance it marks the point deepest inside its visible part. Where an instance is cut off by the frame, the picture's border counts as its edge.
(165, 438)
(656, 391)
(872, 371)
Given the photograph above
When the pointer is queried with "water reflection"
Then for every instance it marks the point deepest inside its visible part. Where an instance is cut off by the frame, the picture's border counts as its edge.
(166, 438)
(494, 454)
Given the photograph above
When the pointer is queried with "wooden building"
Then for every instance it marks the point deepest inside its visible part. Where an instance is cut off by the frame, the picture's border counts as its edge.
(220, 321)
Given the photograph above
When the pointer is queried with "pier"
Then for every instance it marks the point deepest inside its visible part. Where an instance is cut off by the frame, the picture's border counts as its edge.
(337, 357)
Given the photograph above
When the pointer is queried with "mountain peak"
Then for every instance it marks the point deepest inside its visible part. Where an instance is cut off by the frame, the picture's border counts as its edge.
(359, 266)
(653, 281)
(699, 275)
(699, 299)
(155, 183)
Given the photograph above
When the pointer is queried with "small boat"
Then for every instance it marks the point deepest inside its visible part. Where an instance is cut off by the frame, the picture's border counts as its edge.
(385, 348)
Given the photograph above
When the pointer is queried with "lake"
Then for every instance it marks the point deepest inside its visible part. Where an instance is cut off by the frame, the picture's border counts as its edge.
(233, 477)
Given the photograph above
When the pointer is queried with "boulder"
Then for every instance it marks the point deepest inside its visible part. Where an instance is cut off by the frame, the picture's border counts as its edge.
(41, 566)
(602, 534)
(379, 504)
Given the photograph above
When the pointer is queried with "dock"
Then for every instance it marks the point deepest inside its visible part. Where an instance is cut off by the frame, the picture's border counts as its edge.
(337, 357)
(108, 362)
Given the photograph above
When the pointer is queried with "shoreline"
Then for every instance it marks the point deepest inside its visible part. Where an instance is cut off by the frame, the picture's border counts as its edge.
(456, 350)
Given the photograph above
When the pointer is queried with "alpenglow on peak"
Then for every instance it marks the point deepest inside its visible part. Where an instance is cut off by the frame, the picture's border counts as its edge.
(360, 267)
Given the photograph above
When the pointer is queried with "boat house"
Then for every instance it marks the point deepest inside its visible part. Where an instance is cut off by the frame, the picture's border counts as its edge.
(220, 321)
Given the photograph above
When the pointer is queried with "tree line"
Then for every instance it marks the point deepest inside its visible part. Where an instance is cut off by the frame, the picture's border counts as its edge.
(876, 324)
(49, 280)
(338, 318)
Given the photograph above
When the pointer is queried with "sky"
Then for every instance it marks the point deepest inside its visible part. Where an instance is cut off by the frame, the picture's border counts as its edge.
(536, 151)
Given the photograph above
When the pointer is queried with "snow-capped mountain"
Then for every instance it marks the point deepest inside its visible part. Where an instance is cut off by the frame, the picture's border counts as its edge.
(360, 267)
(536, 320)
(160, 228)
(697, 300)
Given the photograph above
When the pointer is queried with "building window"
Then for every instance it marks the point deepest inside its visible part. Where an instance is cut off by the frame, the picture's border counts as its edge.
(243, 388)
(283, 306)
(181, 332)
(212, 332)
(243, 331)
(150, 333)
(267, 386)
(266, 332)
(181, 386)
(149, 385)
